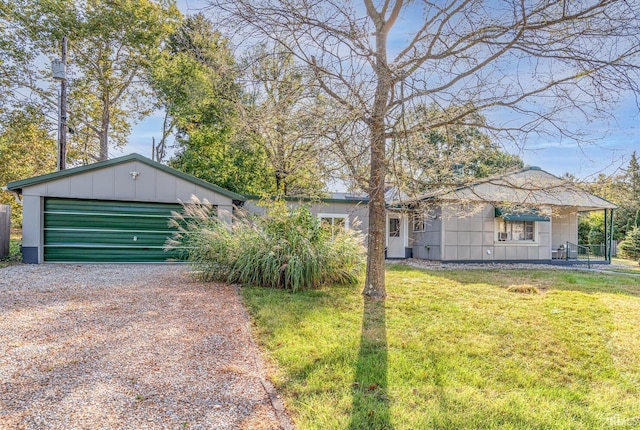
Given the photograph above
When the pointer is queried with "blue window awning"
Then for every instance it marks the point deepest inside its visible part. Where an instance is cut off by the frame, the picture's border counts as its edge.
(520, 214)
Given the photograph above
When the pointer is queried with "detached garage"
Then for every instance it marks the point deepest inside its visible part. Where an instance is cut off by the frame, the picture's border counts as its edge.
(112, 211)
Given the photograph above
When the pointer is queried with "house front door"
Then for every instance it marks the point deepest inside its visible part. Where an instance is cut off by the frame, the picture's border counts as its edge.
(396, 230)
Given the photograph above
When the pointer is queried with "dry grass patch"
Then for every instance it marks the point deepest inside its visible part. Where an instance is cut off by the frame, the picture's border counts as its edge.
(523, 289)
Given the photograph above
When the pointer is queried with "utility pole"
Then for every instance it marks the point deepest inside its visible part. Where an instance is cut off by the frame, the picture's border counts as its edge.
(63, 108)
(60, 73)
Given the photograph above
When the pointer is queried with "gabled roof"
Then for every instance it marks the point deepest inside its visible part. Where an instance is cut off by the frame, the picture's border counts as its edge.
(529, 186)
(24, 183)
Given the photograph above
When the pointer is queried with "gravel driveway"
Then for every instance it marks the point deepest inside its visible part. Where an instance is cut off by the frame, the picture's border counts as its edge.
(127, 346)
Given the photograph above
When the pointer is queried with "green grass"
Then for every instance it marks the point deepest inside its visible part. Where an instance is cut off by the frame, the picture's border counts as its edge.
(456, 349)
(15, 256)
(629, 266)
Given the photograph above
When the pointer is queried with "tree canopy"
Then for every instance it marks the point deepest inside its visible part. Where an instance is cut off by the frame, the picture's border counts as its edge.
(445, 156)
(111, 44)
(284, 114)
(26, 149)
(249, 127)
(195, 79)
(621, 189)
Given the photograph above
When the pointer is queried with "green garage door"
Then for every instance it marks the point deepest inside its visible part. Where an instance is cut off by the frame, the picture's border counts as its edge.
(106, 231)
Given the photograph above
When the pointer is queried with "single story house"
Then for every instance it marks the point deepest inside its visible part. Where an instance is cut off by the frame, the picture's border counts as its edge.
(118, 211)
(525, 216)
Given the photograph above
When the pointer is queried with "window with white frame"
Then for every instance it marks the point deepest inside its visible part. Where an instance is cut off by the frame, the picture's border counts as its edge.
(418, 222)
(510, 231)
(334, 222)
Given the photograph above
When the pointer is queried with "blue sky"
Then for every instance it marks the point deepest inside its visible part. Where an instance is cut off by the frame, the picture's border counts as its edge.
(610, 148)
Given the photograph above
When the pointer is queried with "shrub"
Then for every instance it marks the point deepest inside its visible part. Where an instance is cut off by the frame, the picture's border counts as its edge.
(285, 248)
(583, 231)
(630, 246)
(15, 254)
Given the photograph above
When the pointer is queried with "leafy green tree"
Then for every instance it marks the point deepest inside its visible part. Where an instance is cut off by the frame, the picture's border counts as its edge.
(627, 196)
(447, 155)
(591, 228)
(26, 149)
(583, 231)
(110, 45)
(12, 59)
(630, 246)
(260, 138)
(194, 77)
(223, 159)
(632, 178)
(596, 237)
(619, 189)
(195, 81)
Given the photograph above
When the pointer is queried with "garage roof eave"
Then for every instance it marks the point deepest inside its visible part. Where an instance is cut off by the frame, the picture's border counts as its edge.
(24, 183)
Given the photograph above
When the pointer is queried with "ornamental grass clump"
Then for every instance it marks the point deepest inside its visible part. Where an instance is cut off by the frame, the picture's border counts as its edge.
(201, 237)
(285, 248)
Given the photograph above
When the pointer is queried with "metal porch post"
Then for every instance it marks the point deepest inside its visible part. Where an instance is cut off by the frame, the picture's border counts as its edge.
(610, 234)
(606, 236)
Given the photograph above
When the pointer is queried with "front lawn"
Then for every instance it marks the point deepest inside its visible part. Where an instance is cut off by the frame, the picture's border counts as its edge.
(455, 349)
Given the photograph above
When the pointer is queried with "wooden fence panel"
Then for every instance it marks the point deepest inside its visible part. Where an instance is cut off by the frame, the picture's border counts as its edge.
(5, 229)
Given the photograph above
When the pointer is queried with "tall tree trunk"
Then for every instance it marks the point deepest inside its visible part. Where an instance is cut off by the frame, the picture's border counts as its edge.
(167, 128)
(374, 286)
(374, 283)
(280, 184)
(104, 133)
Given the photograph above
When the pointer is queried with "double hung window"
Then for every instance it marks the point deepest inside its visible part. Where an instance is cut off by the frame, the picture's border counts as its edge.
(509, 231)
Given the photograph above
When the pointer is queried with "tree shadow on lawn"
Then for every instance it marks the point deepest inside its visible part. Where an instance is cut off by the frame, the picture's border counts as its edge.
(370, 404)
